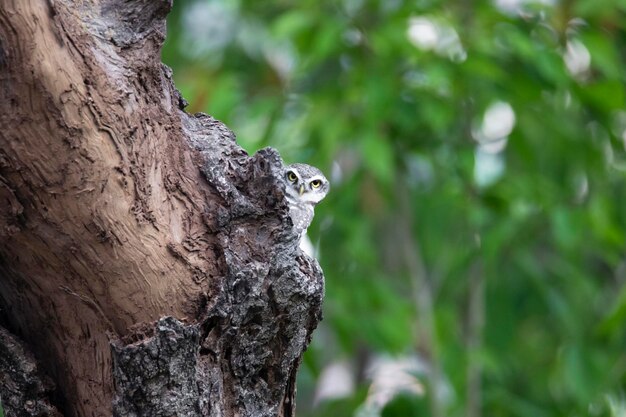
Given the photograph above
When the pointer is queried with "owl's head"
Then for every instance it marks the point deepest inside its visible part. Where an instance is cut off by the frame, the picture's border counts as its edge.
(306, 183)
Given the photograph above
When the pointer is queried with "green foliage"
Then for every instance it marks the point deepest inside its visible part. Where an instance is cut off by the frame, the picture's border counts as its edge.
(485, 169)
(405, 405)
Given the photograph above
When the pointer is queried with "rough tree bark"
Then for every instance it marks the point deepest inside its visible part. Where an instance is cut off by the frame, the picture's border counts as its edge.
(146, 261)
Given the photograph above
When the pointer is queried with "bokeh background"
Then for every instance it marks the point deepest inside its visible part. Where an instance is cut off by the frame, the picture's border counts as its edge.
(474, 238)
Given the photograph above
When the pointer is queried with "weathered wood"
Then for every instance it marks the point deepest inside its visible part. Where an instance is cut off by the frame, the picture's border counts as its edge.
(117, 209)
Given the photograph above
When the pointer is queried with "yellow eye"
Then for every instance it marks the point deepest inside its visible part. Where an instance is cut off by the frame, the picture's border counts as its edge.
(291, 176)
(316, 183)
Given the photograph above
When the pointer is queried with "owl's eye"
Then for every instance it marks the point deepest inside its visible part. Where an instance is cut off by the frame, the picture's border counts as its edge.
(291, 176)
(316, 183)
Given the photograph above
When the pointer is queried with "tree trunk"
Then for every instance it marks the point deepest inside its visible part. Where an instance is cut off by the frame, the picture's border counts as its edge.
(147, 262)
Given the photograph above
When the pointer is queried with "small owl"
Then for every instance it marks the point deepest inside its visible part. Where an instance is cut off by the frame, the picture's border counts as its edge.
(305, 187)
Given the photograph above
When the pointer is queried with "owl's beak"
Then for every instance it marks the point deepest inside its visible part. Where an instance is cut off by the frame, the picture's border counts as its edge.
(301, 190)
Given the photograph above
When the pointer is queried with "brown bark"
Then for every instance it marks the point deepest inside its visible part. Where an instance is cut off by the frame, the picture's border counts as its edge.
(118, 209)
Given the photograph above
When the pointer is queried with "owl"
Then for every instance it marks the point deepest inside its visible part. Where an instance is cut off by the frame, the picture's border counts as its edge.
(305, 187)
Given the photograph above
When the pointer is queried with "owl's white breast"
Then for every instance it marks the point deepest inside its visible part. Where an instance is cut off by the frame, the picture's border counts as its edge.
(301, 213)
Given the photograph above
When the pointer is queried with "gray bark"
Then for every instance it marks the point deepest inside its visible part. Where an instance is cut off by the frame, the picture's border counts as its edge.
(24, 389)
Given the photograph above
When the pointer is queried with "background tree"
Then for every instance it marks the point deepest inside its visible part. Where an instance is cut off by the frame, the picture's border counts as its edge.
(477, 156)
(147, 263)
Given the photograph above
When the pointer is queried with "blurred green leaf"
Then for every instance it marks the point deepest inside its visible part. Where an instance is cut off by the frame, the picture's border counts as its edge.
(405, 405)
(604, 95)
(378, 157)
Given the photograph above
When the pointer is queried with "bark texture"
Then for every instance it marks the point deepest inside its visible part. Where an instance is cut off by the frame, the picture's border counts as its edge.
(146, 260)
(25, 390)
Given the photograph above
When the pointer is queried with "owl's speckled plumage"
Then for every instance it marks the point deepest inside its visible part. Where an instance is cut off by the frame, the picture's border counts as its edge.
(305, 187)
